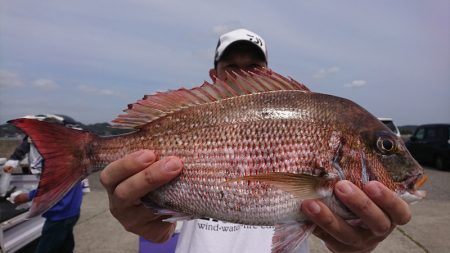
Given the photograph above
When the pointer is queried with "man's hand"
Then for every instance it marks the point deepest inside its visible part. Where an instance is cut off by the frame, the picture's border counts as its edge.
(8, 169)
(378, 208)
(130, 178)
(20, 198)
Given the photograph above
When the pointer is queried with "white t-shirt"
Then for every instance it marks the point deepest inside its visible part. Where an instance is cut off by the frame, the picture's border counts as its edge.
(211, 236)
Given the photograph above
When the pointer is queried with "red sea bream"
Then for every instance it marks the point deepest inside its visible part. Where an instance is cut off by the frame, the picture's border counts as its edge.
(253, 148)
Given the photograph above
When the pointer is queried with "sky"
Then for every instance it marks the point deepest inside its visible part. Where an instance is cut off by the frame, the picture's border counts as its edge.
(90, 59)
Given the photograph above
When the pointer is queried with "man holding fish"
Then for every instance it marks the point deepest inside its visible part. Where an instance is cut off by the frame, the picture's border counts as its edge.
(130, 178)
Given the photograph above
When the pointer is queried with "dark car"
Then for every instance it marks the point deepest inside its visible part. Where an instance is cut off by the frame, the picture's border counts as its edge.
(431, 144)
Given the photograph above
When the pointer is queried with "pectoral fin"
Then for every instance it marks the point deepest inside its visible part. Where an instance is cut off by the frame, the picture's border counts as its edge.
(302, 186)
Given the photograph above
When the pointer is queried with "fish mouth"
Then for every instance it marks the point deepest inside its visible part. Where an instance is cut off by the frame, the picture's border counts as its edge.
(412, 193)
(421, 179)
(413, 183)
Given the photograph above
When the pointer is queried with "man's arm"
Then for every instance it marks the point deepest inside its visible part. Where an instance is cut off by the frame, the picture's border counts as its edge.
(17, 156)
(20, 198)
(379, 209)
(127, 180)
(21, 150)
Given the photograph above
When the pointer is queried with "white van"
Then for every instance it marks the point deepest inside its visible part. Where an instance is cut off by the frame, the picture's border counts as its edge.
(391, 125)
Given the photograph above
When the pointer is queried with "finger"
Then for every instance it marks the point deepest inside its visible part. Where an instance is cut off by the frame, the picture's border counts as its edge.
(397, 209)
(361, 205)
(147, 180)
(335, 246)
(123, 168)
(157, 231)
(144, 222)
(332, 224)
(133, 217)
(331, 243)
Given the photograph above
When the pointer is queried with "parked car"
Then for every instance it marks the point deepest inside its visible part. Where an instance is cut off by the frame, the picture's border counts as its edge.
(431, 144)
(391, 125)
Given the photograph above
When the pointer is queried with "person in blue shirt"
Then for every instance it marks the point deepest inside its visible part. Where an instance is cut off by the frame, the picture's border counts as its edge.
(57, 233)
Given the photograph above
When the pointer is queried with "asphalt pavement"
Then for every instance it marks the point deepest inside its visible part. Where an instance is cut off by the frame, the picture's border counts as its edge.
(428, 231)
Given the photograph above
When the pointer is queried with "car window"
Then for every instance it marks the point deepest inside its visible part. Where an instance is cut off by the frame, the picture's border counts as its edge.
(441, 133)
(390, 125)
(431, 133)
(420, 134)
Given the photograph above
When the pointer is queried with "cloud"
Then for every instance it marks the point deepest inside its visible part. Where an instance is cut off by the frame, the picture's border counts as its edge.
(323, 73)
(96, 91)
(226, 27)
(356, 84)
(45, 84)
(9, 79)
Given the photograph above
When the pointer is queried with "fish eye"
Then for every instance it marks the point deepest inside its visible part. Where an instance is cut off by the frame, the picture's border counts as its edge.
(385, 145)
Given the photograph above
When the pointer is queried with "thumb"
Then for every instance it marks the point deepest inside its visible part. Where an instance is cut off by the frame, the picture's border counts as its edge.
(162, 172)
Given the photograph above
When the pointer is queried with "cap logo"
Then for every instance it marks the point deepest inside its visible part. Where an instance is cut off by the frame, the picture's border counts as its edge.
(255, 39)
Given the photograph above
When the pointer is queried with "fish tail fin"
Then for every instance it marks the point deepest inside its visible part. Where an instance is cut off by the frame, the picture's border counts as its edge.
(65, 153)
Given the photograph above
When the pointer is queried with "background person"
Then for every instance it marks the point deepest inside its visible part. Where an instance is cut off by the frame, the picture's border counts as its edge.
(133, 176)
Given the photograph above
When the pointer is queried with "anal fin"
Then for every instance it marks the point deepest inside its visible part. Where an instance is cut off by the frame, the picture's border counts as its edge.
(289, 236)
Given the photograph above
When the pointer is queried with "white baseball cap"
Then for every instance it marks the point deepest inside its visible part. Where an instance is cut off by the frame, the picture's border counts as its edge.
(225, 40)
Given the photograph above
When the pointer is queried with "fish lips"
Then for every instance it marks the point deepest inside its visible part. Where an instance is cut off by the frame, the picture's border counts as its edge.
(412, 193)
(415, 182)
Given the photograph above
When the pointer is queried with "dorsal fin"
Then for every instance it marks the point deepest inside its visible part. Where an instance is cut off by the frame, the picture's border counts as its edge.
(152, 107)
